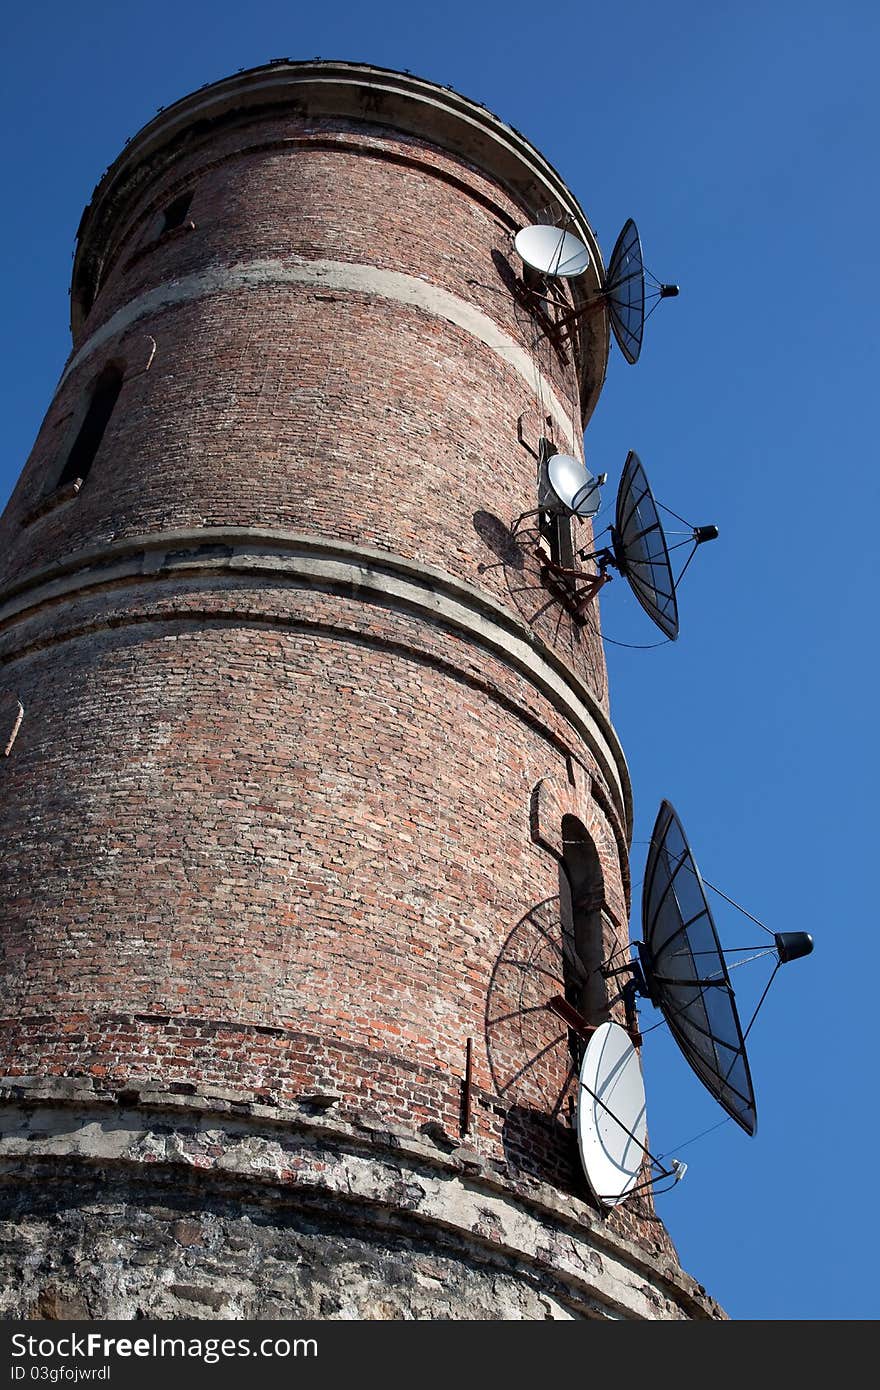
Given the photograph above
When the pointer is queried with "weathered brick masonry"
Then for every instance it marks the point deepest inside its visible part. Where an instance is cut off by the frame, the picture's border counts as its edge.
(282, 819)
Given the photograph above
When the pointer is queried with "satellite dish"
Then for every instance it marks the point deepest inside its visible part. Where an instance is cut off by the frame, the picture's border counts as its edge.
(639, 549)
(624, 293)
(567, 486)
(610, 1118)
(610, 1114)
(681, 968)
(685, 973)
(552, 251)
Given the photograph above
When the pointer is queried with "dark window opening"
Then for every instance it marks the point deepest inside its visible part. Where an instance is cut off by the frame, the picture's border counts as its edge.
(581, 895)
(11, 715)
(175, 213)
(84, 292)
(547, 287)
(554, 526)
(556, 533)
(91, 431)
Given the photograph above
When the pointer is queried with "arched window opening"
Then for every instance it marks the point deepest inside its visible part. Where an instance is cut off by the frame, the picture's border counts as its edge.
(88, 440)
(581, 895)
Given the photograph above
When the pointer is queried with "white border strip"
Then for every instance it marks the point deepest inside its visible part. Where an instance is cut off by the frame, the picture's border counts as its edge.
(348, 277)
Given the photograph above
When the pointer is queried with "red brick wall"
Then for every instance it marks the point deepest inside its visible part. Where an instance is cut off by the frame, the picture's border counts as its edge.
(311, 408)
(269, 833)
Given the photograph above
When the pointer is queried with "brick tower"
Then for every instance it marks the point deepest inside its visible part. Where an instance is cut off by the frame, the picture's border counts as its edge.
(307, 778)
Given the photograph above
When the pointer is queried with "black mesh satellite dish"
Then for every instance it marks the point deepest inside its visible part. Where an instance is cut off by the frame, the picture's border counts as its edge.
(685, 974)
(681, 968)
(625, 292)
(639, 549)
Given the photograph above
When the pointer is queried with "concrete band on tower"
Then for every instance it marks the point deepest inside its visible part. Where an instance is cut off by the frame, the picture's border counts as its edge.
(309, 783)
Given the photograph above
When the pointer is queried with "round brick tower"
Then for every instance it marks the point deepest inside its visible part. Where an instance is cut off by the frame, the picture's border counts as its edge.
(310, 797)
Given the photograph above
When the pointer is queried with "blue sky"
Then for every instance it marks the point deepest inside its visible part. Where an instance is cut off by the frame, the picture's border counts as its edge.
(743, 139)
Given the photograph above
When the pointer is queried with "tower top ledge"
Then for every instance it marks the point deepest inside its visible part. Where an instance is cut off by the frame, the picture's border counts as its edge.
(321, 89)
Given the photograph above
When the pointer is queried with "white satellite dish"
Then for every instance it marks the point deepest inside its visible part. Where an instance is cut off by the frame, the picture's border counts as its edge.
(552, 251)
(573, 485)
(611, 1122)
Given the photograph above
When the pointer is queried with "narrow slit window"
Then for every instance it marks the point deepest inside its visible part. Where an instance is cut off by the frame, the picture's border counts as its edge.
(556, 533)
(554, 526)
(581, 895)
(91, 431)
(175, 214)
(11, 715)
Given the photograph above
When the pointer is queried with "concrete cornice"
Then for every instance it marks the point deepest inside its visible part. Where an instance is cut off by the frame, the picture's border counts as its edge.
(360, 92)
(230, 1135)
(357, 91)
